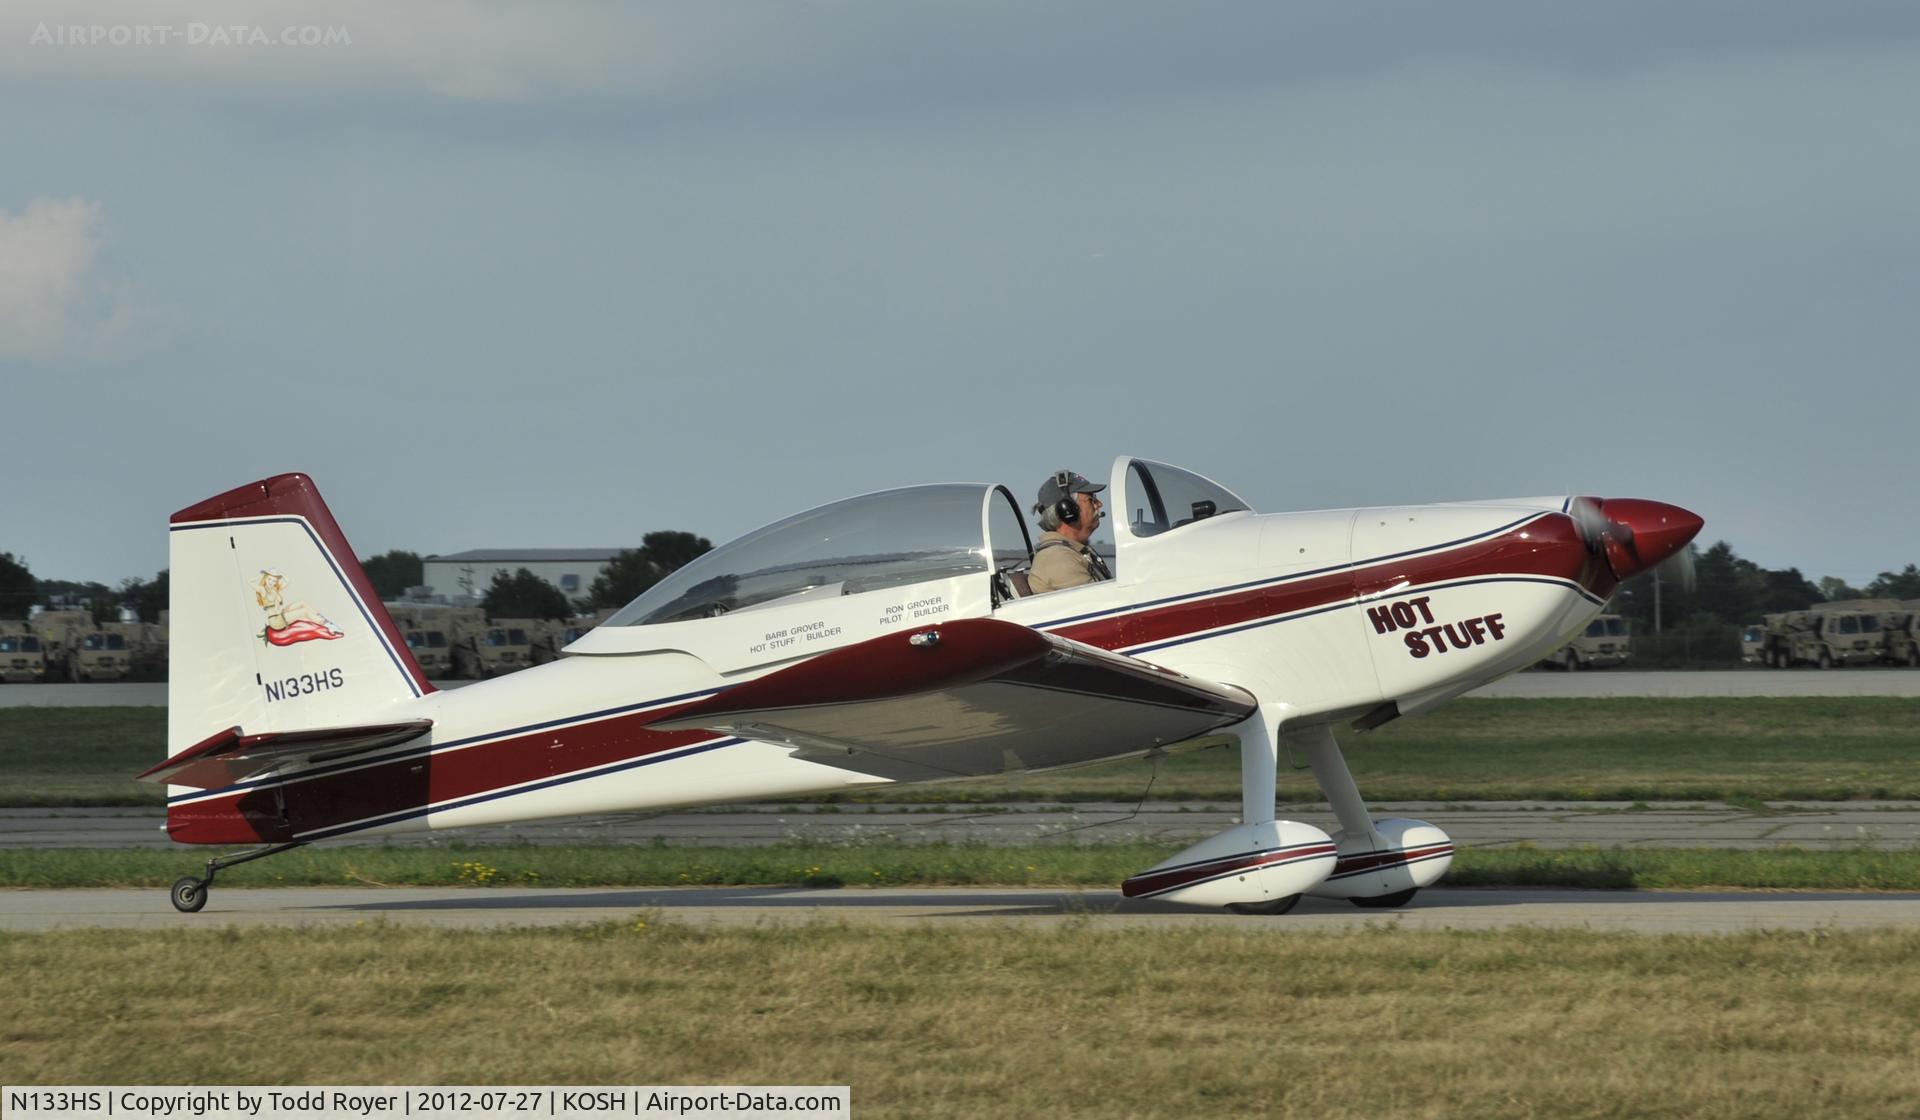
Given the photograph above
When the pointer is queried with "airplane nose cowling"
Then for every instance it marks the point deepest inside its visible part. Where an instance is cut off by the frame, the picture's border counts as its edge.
(1641, 533)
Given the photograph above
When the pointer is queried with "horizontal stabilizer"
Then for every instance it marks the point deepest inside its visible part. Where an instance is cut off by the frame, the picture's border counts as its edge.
(965, 698)
(229, 757)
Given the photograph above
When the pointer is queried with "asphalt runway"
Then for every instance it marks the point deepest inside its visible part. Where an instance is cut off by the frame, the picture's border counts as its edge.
(1855, 824)
(1531, 685)
(1626, 911)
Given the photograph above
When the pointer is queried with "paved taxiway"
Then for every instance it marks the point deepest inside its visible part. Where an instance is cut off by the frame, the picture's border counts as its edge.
(1629, 911)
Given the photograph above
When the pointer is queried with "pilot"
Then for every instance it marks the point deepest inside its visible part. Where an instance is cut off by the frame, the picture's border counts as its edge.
(1069, 513)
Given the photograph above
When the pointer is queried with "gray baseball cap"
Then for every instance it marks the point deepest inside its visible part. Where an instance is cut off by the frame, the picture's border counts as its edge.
(1059, 485)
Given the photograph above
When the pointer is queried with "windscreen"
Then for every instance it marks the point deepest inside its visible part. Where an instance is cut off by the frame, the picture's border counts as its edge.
(1163, 498)
(875, 541)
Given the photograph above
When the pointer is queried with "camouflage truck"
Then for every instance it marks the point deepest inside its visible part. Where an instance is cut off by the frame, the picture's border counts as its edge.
(504, 645)
(1842, 632)
(1753, 644)
(23, 657)
(569, 632)
(63, 634)
(1901, 625)
(1605, 642)
(549, 638)
(106, 653)
(433, 631)
(425, 632)
(150, 651)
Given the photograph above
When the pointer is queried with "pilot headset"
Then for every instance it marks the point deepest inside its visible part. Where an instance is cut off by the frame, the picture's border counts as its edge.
(1067, 509)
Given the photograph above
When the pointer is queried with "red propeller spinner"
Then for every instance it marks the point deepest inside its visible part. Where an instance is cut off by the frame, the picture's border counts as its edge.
(1634, 533)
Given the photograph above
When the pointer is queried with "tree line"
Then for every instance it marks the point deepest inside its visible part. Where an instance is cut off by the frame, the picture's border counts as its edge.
(20, 592)
(1701, 622)
(519, 595)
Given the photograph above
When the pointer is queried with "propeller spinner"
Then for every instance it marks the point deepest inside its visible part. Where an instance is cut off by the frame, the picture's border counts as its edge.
(1633, 534)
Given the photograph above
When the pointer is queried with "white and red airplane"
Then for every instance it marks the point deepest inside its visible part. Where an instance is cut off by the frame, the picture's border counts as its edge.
(885, 639)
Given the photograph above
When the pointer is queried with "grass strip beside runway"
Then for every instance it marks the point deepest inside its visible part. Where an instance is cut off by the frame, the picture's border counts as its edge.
(1696, 749)
(1001, 1020)
(877, 865)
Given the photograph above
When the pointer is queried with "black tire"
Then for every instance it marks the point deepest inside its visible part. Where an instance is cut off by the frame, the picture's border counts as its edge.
(1826, 660)
(1386, 901)
(1273, 907)
(1572, 662)
(189, 895)
(1913, 657)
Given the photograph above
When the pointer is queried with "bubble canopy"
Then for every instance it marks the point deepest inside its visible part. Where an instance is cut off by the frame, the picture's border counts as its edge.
(891, 539)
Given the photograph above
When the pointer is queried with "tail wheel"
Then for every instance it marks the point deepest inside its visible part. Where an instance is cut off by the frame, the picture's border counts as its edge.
(189, 895)
(1273, 907)
(1386, 901)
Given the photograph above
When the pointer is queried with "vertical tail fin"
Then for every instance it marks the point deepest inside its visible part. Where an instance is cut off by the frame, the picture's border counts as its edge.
(275, 627)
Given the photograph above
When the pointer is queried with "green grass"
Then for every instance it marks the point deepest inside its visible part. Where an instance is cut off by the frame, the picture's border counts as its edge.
(80, 756)
(1695, 749)
(997, 1019)
(799, 864)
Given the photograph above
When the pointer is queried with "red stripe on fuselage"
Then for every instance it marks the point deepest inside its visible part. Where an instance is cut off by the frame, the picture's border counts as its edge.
(415, 781)
(1548, 546)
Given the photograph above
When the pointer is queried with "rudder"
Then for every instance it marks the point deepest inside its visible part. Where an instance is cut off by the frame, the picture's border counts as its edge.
(274, 626)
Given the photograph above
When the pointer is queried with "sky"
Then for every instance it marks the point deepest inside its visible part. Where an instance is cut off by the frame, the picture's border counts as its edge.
(559, 275)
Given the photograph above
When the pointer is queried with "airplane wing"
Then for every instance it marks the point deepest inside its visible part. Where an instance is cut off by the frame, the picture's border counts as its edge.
(228, 757)
(965, 698)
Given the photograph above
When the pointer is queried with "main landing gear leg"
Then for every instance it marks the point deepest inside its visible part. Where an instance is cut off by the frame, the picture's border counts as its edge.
(1381, 864)
(1336, 781)
(190, 894)
(1259, 775)
(1261, 865)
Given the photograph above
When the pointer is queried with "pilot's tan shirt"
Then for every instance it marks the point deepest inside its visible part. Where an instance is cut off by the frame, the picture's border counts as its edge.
(1056, 567)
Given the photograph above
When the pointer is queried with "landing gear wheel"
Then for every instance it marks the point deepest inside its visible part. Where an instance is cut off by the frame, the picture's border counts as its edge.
(1386, 901)
(1273, 907)
(189, 895)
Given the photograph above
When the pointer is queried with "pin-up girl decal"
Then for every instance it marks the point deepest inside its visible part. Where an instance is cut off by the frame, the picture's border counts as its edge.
(289, 624)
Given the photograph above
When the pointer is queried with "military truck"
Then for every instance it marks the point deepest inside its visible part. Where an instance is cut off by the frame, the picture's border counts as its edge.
(1901, 626)
(23, 657)
(425, 633)
(433, 631)
(103, 653)
(150, 651)
(1842, 632)
(505, 645)
(63, 635)
(1753, 644)
(565, 634)
(1605, 642)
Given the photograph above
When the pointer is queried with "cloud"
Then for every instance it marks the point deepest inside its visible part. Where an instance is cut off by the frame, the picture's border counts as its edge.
(56, 301)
